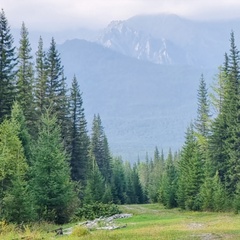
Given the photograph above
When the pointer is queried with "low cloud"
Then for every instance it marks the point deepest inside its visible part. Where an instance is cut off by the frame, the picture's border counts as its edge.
(59, 15)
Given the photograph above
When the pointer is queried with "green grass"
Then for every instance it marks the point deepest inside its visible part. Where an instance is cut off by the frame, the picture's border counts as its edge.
(149, 222)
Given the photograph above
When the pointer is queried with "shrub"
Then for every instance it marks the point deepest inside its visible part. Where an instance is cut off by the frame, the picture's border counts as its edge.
(80, 231)
(92, 211)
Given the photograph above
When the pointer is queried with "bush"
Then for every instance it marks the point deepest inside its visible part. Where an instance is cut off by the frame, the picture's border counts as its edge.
(92, 211)
(80, 231)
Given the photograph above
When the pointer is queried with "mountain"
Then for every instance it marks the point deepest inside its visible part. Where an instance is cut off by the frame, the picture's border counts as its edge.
(170, 39)
(142, 104)
(119, 37)
(141, 75)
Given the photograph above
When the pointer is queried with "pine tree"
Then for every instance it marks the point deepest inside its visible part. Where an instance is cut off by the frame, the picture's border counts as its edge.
(231, 110)
(79, 138)
(140, 197)
(217, 140)
(169, 183)
(40, 86)
(203, 118)
(7, 68)
(25, 77)
(95, 188)
(100, 149)
(118, 182)
(130, 191)
(15, 197)
(56, 92)
(190, 173)
(51, 183)
(143, 173)
(219, 194)
(155, 176)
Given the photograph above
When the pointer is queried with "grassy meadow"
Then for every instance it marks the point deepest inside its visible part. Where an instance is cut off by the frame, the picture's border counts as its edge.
(150, 221)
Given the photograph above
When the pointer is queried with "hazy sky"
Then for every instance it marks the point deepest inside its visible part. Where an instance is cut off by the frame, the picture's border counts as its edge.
(60, 15)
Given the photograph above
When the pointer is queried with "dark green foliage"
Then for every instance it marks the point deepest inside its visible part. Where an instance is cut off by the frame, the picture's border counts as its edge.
(96, 210)
(118, 182)
(79, 138)
(137, 187)
(15, 197)
(53, 189)
(99, 148)
(203, 119)
(219, 200)
(169, 183)
(25, 77)
(190, 173)
(95, 187)
(7, 68)
(40, 86)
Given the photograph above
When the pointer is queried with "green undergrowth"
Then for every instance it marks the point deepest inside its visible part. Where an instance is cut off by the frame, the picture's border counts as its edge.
(148, 222)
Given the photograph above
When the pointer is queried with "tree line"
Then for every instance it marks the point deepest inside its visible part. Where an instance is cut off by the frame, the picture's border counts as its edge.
(50, 166)
(205, 174)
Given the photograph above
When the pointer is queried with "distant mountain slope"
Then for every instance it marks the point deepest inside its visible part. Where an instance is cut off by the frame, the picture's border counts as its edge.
(141, 104)
(123, 39)
(170, 39)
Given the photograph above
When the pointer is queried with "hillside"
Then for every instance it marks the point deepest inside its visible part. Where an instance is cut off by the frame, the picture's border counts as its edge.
(141, 104)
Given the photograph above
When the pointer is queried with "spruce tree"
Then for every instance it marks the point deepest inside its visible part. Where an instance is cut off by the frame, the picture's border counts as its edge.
(95, 187)
(16, 204)
(25, 77)
(140, 197)
(203, 117)
(169, 183)
(118, 182)
(231, 110)
(155, 176)
(190, 173)
(7, 68)
(51, 182)
(56, 92)
(130, 191)
(40, 85)
(79, 138)
(217, 141)
(99, 148)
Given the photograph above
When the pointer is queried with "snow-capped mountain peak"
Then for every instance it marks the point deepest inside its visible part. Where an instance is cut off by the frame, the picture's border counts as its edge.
(119, 37)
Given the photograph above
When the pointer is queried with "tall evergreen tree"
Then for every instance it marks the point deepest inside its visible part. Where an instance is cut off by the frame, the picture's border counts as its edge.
(7, 67)
(232, 109)
(95, 187)
(51, 183)
(15, 197)
(25, 76)
(40, 86)
(118, 182)
(99, 148)
(79, 138)
(155, 176)
(190, 173)
(169, 183)
(56, 92)
(217, 141)
(203, 117)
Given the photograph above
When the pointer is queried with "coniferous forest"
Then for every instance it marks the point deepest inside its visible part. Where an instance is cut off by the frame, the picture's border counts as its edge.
(52, 168)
